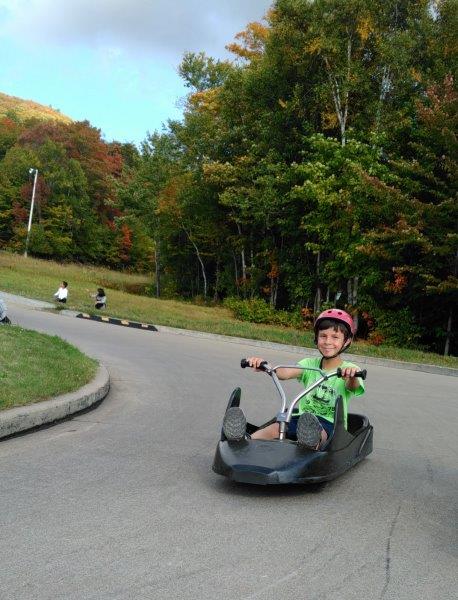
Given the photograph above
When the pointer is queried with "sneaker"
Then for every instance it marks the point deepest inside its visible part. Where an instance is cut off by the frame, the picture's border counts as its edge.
(308, 431)
(234, 424)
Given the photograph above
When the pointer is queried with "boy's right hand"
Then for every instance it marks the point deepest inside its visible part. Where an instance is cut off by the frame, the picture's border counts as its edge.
(255, 361)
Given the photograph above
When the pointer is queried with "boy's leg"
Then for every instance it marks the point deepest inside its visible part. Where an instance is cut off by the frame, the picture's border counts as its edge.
(310, 431)
(234, 427)
(271, 432)
(234, 424)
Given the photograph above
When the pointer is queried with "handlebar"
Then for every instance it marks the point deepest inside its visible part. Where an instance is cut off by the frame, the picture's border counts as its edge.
(361, 374)
(244, 364)
(263, 367)
(285, 414)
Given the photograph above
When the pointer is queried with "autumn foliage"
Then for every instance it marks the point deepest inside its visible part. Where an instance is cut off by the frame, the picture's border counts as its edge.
(316, 167)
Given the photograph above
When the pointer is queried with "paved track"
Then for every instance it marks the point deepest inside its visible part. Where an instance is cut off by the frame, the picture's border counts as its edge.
(121, 503)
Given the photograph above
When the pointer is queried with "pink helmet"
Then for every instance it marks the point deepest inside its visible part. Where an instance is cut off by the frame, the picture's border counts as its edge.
(335, 314)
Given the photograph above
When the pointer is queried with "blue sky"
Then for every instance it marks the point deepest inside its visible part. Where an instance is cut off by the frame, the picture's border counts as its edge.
(113, 62)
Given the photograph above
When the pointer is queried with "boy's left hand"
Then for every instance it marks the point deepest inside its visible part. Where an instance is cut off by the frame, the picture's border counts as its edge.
(348, 372)
(351, 382)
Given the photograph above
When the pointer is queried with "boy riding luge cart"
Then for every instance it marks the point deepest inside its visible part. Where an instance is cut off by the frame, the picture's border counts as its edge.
(314, 439)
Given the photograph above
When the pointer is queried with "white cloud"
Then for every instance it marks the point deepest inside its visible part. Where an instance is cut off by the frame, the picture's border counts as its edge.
(165, 27)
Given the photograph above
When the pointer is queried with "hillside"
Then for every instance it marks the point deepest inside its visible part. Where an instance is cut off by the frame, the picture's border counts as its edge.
(27, 109)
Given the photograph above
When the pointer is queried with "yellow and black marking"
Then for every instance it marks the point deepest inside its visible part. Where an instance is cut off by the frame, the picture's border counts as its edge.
(114, 321)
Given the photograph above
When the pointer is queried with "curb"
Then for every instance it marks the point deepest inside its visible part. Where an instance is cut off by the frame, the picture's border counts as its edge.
(115, 321)
(31, 416)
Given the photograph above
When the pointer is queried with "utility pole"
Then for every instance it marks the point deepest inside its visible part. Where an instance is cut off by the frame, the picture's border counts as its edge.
(29, 227)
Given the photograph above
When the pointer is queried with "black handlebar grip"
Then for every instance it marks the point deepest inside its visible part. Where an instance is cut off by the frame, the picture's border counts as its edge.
(244, 364)
(361, 374)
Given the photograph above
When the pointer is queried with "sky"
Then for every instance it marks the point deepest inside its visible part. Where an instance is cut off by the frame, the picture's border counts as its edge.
(113, 62)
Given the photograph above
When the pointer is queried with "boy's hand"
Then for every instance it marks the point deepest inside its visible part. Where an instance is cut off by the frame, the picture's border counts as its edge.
(255, 362)
(351, 382)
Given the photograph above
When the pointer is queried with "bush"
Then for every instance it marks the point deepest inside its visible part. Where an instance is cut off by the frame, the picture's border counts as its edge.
(258, 311)
(392, 328)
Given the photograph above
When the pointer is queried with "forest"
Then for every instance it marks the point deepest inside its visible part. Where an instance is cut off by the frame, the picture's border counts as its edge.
(316, 167)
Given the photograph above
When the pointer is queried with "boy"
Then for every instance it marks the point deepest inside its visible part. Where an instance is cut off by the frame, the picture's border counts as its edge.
(62, 293)
(334, 331)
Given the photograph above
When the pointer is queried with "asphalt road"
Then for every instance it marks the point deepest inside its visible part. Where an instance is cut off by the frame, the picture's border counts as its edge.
(121, 502)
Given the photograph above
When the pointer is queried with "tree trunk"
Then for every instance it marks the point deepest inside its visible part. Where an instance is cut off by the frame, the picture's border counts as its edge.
(202, 266)
(384, 88)
(449, 332)
(242, 254)
(317, 302)
(215, 295)
(252, 265)
(236, 274)
(158, 269)
(273, 291)
(341, 98)
(349, 292)
(355, 300)
(450, 314)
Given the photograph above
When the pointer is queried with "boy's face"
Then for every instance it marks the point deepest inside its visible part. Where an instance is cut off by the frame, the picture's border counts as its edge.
(330, 341)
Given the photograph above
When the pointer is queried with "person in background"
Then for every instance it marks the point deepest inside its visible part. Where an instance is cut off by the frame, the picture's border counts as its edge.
(62, 293)
(100, 298)
(3, 316)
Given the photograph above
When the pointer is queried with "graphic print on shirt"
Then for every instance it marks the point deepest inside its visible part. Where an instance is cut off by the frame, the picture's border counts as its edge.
(322, 401)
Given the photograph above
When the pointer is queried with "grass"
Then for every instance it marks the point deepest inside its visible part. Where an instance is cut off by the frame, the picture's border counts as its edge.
(35, 366)
(39, 279)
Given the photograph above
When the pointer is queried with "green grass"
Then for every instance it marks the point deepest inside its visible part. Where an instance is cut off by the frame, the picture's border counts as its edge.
(39, 279)
(35, 366)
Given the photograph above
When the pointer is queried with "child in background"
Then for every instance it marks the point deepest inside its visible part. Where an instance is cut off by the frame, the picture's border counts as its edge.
(314, 422)
(62, 293)
(100, 298)
(3, 316)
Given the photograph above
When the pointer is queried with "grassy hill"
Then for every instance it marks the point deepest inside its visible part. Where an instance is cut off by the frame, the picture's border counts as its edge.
(27, 109)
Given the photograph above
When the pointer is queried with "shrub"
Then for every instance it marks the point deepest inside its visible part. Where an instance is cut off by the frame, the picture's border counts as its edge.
(390, 327)
(258, 311)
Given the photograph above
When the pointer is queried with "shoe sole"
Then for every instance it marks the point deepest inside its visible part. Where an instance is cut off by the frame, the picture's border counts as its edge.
(234, 424)
(308, 431)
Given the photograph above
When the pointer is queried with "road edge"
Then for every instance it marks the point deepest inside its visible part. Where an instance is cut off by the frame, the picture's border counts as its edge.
(31, 416)
(303, 351)
(358, 358)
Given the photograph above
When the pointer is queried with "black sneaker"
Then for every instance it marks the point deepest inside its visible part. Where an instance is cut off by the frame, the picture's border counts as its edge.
(308, 431)
(234, 424)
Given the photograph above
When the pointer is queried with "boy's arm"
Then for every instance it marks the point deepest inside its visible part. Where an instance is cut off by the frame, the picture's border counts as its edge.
(255, 362)
(352, 383)
(288, 373)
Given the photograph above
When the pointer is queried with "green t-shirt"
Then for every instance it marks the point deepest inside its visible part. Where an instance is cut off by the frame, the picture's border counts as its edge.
(322, 400)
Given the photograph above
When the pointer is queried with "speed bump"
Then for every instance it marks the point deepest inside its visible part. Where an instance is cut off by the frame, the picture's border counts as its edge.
(114, 321)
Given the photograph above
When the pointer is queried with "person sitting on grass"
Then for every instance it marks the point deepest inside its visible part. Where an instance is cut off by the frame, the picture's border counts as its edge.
(314, 422)
(100, 298)
(4, 320)
(62, 293)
